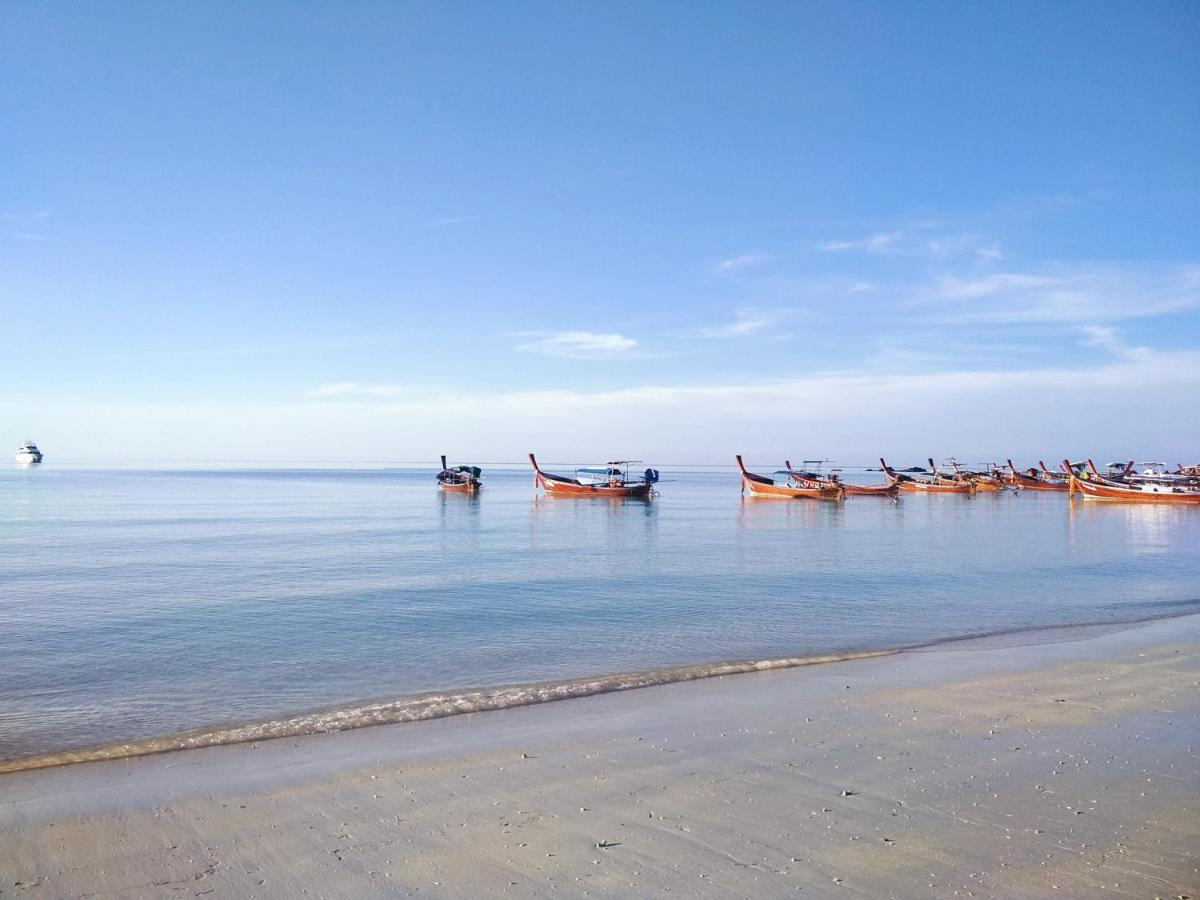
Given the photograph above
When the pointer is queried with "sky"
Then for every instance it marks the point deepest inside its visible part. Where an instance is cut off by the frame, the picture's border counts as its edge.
(383, 231)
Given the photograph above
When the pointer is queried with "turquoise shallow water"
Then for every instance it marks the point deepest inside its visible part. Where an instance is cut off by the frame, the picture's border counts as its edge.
(136, 603)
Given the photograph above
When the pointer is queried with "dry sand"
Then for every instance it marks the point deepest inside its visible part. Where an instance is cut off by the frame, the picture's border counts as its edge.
(1067, 768)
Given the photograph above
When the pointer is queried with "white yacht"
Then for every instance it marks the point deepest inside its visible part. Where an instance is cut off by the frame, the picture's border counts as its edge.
(29, 453)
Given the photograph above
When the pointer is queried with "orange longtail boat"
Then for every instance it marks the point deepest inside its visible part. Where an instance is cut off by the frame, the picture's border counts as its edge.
(852, 490)
(466, 479)
(762, 486)
(981, 480)
(1094, 486)
(935, 485)
(1034, 480)
(610, 480)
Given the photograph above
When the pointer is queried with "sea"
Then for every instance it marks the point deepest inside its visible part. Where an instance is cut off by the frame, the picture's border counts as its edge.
(149, 607)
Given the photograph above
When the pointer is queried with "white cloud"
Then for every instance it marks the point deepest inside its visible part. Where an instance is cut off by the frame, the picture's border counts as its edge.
(580, 344)
(1105, 337)
(852, 416)
(883, 242)
(451, 220)
(357, 389)
(745, 261)
(1073, 295)
(746, 322)
(920, 239)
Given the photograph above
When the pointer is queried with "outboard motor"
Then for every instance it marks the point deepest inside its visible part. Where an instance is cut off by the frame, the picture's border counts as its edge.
(651, 476)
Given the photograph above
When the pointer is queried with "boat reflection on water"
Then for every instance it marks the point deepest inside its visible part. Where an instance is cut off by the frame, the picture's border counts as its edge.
(1148, 527)
(756, 511)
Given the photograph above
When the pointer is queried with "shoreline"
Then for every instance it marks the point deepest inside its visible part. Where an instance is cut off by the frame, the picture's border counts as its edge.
(1005, 771)
(429, 705)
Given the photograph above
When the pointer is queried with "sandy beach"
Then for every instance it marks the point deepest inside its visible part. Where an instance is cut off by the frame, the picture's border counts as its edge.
(1061, 764)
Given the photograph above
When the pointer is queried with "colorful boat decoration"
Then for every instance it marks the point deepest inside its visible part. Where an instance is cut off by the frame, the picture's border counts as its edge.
(1094, 486)
(816, 479)
(1033, 479)
(467, 479)
(787, 487)
(609, 480)
(937, 484)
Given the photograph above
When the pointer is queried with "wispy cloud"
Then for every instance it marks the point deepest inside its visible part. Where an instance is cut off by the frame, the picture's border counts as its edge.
(1105, 337)
(24, 224)
(836, 399)
(1080, 294)
(746, 322)
(883, 242)
(39, 215)
(579, 344)
(928, 238)
(451, 220)
(355, 389)
(744, 261)
(851, 415)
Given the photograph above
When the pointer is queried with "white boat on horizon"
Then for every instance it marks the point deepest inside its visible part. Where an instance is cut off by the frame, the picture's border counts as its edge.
(28, 452)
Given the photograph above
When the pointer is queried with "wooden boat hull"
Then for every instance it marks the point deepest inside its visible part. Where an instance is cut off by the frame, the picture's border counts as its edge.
(1032, 484)
(870, 490)
(1102, 488)
(856, 490)
(1150, 493)
(565, 489)
(988, 484)
(761, 486)
(933, 486)
(783, 492)
(467, 487)
(930, 487)
(569, 487)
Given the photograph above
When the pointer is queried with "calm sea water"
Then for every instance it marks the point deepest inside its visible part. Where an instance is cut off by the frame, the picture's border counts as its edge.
(136, 603)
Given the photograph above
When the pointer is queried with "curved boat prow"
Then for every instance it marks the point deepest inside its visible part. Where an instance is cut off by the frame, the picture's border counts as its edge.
(537, 471)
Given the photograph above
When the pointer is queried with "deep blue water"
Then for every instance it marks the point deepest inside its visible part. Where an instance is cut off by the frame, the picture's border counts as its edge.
(135, 603)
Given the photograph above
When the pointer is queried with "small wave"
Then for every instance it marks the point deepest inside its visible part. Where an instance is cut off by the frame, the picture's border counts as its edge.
(419, 708)
(438, 705)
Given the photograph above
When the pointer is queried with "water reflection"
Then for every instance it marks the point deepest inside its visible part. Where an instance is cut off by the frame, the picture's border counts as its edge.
(1148, 527)
(771, 512)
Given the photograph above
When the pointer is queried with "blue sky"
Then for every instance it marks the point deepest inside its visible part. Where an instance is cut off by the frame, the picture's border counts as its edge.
(381, 231)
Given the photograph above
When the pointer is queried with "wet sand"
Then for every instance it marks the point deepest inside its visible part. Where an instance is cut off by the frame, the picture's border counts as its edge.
(1068, 767)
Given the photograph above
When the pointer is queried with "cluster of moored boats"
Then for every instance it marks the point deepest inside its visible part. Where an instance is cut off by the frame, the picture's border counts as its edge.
(613, 479)
(1141, 482)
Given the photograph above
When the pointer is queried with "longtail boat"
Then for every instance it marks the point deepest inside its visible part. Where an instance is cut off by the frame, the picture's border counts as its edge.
(1094, 486)
(762, 486)
(1159, 473)
(1054, 477)
(610, 480)
(935, 485)
(1033, 480)
(459, 478)
(981, 480)
(852, 490)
